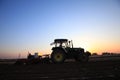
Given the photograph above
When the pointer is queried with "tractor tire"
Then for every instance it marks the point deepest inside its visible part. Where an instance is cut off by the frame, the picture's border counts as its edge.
(58, 56)
(82, 58)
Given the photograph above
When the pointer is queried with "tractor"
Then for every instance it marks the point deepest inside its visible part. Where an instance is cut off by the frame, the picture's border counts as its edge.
(64, 49)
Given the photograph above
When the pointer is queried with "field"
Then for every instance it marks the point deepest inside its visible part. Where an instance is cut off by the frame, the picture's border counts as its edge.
(98, 68)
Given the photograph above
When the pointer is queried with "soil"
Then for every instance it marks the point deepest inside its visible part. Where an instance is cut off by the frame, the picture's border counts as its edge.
(92, 70)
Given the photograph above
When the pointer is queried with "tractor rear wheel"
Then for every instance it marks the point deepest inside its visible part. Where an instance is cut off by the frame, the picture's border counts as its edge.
(58, 56)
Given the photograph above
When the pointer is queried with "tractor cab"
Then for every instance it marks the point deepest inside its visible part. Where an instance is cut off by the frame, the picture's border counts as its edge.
(64, 43)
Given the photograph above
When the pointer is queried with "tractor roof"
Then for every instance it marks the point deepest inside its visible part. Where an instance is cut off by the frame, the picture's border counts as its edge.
(60, 40)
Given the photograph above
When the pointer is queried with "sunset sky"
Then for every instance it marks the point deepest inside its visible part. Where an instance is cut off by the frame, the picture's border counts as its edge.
(31, 25)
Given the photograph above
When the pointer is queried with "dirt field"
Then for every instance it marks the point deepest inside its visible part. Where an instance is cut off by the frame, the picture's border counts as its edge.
(93, 70)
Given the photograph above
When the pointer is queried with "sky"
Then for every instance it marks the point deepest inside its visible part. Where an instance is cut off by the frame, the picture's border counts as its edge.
(31, 25)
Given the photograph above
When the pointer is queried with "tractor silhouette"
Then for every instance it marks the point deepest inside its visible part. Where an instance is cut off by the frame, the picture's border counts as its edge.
(64, 49)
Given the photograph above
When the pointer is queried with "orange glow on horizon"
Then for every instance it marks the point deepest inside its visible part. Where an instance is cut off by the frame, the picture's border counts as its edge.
(93, 47)
(100, 48)
(97, 46)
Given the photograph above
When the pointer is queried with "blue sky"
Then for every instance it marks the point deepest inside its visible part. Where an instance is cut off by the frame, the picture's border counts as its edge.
(31, 25)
